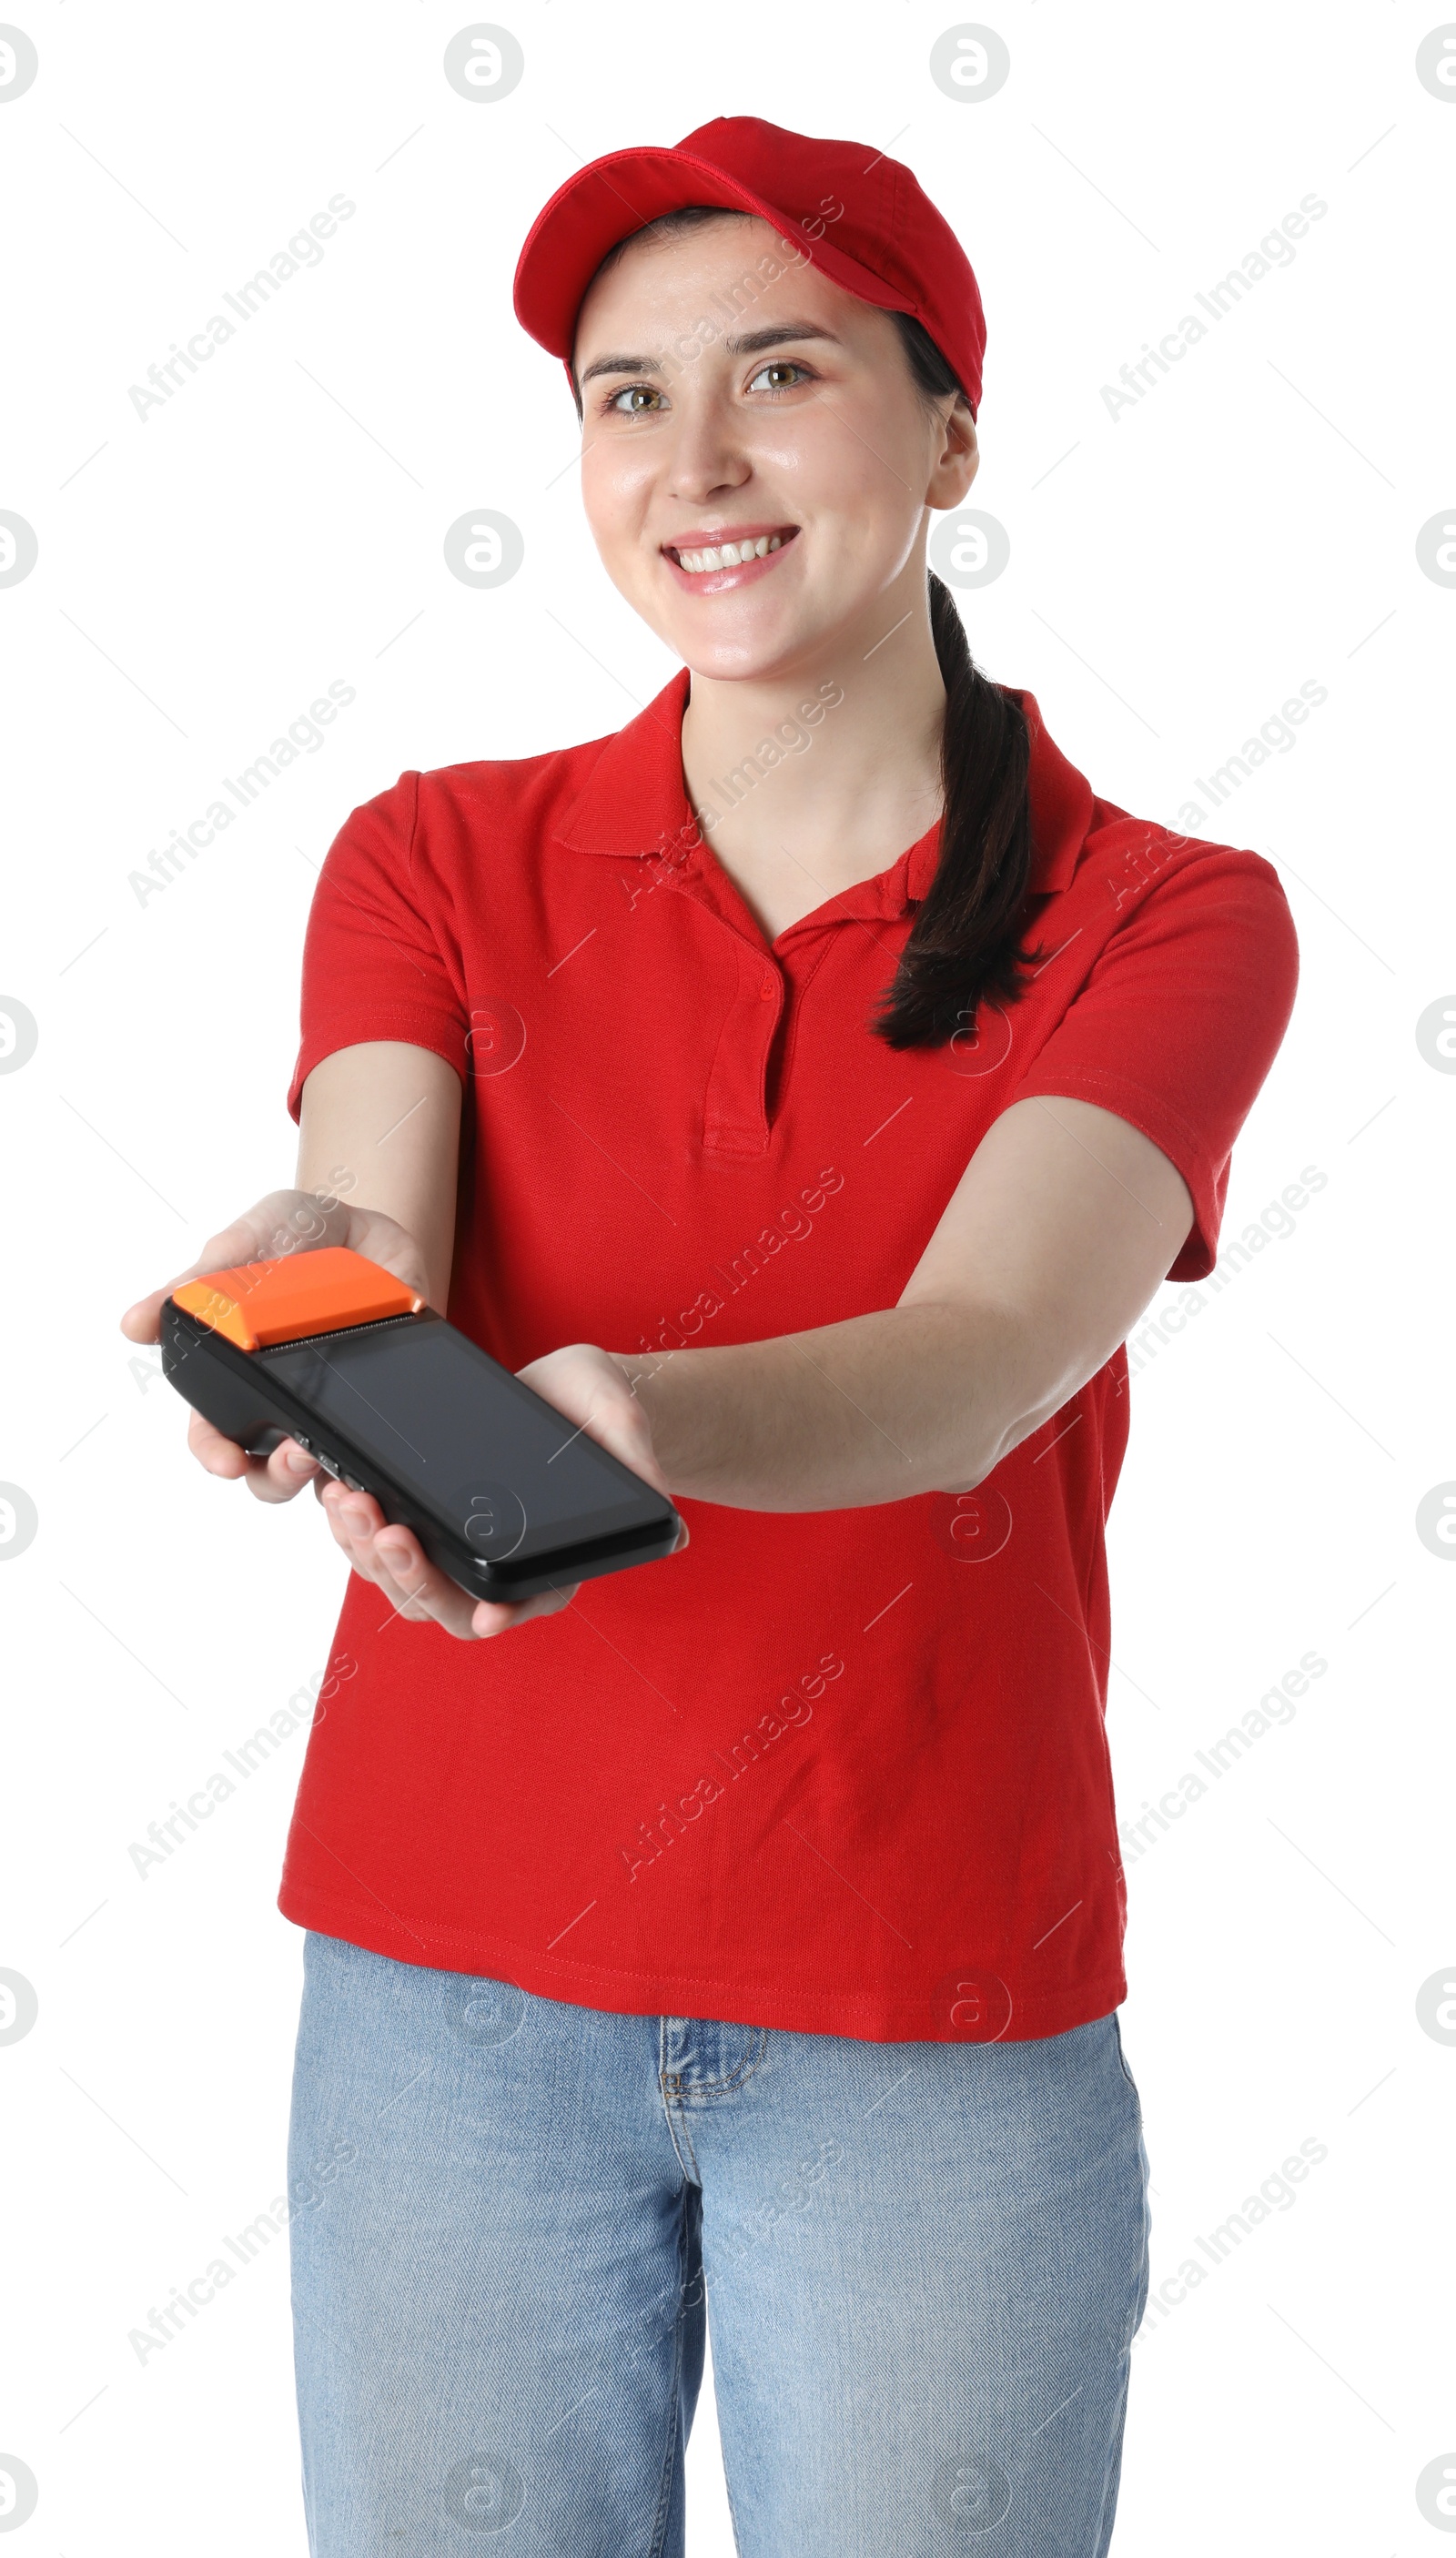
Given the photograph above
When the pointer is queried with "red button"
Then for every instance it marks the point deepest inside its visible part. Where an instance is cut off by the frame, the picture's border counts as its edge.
(766, 989)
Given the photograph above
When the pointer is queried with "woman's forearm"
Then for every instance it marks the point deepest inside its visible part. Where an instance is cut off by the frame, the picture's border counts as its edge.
(917, 1398)
(379, 1130)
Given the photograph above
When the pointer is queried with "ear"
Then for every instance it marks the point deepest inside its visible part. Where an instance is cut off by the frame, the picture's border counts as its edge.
(957, 458)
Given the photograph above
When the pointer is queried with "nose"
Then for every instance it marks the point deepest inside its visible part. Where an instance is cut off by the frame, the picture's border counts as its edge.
(708, 458)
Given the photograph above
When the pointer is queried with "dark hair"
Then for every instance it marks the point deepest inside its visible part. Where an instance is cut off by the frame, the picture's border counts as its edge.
(964, 943)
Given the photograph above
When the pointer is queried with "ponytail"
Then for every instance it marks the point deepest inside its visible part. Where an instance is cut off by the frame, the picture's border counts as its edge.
(964, 943)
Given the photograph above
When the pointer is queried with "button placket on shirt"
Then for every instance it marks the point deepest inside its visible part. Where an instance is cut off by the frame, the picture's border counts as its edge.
(735, 1111)
(735, 1098)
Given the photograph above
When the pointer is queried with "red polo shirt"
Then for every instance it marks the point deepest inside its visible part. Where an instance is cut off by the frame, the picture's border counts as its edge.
(842, 1772)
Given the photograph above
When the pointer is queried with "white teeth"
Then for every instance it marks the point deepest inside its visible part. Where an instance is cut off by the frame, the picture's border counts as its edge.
(729, 554)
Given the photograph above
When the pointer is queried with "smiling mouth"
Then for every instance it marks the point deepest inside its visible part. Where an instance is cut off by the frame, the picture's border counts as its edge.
(705, 559)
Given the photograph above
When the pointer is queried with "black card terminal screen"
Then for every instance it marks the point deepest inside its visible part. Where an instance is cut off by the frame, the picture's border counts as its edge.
(423, 1403)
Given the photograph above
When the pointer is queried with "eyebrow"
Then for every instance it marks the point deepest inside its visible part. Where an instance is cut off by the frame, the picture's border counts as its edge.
(753, 343)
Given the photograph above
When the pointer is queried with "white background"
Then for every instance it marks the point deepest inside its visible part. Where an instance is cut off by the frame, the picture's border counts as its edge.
(1176, 573)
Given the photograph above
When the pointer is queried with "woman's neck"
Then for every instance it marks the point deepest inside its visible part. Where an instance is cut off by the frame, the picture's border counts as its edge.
(849, 789)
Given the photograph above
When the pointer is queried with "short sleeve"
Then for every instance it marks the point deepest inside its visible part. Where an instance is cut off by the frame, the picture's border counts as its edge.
(1179, 1020)
(380, 957)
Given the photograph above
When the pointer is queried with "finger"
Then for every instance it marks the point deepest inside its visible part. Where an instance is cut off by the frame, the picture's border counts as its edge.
(354, 1520)
(276, 1478)
(284, 1221)
(223, 1457)
(419, 1589)
(356, 1517)
(499, 1616)
(392, 1558)
(220, 1455)
(290, 1466)
(354, 1536)
(143, 1321)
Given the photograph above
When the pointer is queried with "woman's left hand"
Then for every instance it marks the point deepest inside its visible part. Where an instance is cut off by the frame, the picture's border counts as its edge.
(590, 1388)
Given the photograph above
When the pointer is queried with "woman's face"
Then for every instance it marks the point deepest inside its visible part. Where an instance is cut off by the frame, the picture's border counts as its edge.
(725, 401)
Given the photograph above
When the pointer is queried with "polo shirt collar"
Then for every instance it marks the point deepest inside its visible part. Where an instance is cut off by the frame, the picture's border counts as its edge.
(634, 803)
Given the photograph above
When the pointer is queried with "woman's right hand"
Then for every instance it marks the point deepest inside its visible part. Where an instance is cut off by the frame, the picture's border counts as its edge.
(284, 1221)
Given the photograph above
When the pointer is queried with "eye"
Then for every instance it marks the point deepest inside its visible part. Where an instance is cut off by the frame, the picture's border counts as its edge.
(640, 397)
(781, 367)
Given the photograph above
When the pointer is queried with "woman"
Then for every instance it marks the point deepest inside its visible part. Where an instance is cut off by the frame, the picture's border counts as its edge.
(805, 1088)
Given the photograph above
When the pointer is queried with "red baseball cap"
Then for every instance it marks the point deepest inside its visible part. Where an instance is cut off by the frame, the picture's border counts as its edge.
(863, 218)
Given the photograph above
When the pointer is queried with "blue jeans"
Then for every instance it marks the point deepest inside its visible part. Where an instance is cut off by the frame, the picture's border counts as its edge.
(923, 2265)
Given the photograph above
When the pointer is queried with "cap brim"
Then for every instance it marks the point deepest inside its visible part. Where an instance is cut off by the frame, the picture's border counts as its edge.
(613, 197)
